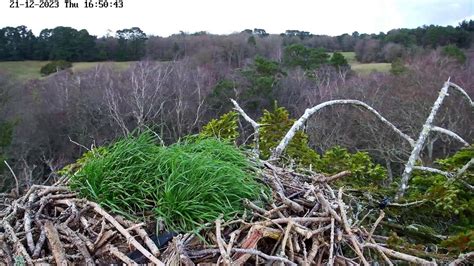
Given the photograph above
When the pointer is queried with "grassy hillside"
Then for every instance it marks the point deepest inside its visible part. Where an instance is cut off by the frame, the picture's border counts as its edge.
(364, 68)
(368, 68)
(26, 70)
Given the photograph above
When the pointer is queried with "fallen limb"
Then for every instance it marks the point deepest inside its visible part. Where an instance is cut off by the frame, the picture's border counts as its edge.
(143, 235)
(19, 248)
(76, 241)
(462, 259)
(55, 244)
(114, 251)
(399, 255)
(347, 228)
(311, 111)
(244, 251)
(255, 125)
(125, 233)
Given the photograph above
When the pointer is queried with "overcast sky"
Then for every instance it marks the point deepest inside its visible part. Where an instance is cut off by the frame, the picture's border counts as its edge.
(332, 17)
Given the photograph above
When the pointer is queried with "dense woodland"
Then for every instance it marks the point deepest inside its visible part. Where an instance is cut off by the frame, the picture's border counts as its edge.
(65, 43)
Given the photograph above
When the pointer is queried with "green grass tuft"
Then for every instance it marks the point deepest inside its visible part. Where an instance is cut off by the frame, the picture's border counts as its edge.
(186, 184)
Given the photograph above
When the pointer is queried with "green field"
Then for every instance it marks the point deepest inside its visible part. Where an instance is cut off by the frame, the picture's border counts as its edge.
(350, 57)
(26, 70)
(364, 68)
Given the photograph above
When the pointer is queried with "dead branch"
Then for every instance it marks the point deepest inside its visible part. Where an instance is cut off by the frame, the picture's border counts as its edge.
(427, 127)
(450, 133)
(55, 244)
(398, 255)
(17, 185)
(311, 111)
(462, 259)
(76, 241)
(143, 234)
(255, 125)
(347, 228)
(331, 244)
(114, 251)
(382, 214)
(221, 243)
(124, 232)
(19, 248)
(462, 91)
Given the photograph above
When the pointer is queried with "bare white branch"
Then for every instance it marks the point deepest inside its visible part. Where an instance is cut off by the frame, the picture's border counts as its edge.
(463, 169)
(415, 153)
(309, 112)
(450, 133)
(433, 170)
(255, 125)
(463, 92)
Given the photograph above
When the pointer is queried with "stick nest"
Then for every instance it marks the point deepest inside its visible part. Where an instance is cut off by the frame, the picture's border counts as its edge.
(304, 222)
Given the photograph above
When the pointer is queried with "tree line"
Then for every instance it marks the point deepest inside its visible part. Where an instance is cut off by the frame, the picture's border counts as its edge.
(132, 44)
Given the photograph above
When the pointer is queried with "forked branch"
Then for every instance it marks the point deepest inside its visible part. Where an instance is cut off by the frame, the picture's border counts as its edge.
(311, 111)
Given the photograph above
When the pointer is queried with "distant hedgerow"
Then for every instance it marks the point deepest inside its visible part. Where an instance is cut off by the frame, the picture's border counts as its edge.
(55, 66)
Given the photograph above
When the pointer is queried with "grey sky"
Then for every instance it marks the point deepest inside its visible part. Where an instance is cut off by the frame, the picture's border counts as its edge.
(163, 18)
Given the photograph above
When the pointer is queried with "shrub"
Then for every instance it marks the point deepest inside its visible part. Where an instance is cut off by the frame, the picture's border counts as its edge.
(223, 128)
(338, 60)
(363, 171)
(398, 67)
(448, 195)
(186, 184)
(274, 127)
(454, 52)
(54, 66)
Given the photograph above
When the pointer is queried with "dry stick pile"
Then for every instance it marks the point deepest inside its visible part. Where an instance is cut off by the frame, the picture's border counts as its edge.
(49, 224)
(306, 223)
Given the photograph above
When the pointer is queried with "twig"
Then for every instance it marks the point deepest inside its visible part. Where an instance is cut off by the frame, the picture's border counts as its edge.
(348, 230)
(254, 207)
(327, 206)
(285, 237)
(407, 204)
(20, 249)
(17, 190)
(331, 244)
(114, 251)
(255, 125)
(295, 219)
(398, 255)
(143, 235)
(27, 223)
(55, 244)
(382, 214)
(421, 141)
(221, 243)
(124, 232)
(76, 241)
(241, 250)
(39, 244)
(334, 177)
